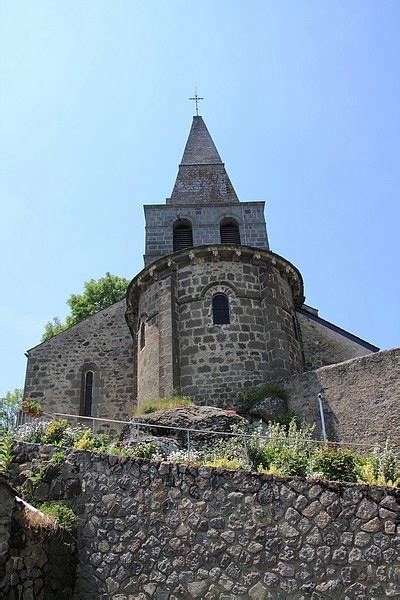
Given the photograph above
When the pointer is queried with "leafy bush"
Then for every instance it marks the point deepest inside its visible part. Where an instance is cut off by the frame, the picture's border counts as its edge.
(58, 458)
(382, 467)
(285, 419)
(6, 452)
(253, 395)
(146, 450)
(163, 404)
(62, 514)
(31, 433)
(92, 442)
(85, 442)
(232, 464)
(386, 462)
(336, 464)
(184, 456)
(55, 431)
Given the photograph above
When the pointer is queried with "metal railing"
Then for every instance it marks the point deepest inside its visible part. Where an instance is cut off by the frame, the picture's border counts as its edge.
(190, 433)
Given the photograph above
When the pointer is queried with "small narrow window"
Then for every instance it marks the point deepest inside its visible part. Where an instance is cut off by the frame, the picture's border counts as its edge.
(295, 327)
(182, 235)
(88, 394)
(220, 308)
(142, 335)
(229, 232)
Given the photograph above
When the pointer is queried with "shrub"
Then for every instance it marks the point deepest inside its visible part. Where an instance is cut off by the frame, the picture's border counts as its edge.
(232, 464)
(336, 464)
(297, 438)
(62, 514)
(386, 462)
(163, 404)
(290, 463)
(252, 395)
(54, 432)
(146, 450)
(32, 433)
(184, 456)
(6, 452)
(382, 467)
(85, 442)
(58, 458)
(285, 419)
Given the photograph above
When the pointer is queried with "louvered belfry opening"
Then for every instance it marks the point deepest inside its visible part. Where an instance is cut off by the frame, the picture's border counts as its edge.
(220, 309)
(229, 232)
(183, 235)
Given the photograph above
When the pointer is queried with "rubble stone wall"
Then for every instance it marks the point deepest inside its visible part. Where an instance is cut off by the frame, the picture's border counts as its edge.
(323, 346)
(101, 343)
(158, 530)
(35, 563)
(361, 398)
(205, 220)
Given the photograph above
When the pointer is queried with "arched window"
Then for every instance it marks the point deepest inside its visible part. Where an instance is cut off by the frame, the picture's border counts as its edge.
(220, 309)
(295, 327)
(229, 231)
(88, 394)
(183, 235)
(142, 341)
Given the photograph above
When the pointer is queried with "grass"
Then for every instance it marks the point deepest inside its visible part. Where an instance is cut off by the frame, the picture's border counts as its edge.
(253, 395)
(62, 515)
(163, 404)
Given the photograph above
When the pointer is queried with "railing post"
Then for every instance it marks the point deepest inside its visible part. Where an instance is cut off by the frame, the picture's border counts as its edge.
(188, 443)
(245, 451)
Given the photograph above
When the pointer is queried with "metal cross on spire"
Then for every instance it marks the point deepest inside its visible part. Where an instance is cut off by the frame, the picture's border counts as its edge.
(196, 98)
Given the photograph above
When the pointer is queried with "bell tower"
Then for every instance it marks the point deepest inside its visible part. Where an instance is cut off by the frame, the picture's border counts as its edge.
(204, 207)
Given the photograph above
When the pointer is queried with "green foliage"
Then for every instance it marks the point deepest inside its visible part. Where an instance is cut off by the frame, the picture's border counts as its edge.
(10, 405)
(6, 451)
(285, 419)
(335, 464)
(253, 395)
(386, 462)
(38, 476)
(163, 404)
(232, 464)
(53, 328)
(92, 442)
(33, 407)
(58, 458)
(97, 295)
(382, 467)
(62, 514)
(285, 451)
(146, 450)
(55, 431)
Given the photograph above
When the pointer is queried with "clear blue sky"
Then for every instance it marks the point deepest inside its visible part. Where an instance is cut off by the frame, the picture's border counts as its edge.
(302, 100)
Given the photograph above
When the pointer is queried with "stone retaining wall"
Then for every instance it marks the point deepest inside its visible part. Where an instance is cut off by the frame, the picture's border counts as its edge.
(35, 563)
(361, 398)
(157, 530)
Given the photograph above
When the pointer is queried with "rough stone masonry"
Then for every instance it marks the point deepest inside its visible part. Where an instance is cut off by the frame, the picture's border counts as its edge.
(173, 531)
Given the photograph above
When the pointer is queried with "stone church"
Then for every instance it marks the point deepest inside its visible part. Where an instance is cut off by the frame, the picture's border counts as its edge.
(213, 310)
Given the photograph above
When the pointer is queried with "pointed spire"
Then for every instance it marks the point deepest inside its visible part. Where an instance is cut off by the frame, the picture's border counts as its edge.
(202, 178)
(200, 148)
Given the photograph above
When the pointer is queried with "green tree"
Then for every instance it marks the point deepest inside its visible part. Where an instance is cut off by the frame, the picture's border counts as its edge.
(97, 294)
(10, 405)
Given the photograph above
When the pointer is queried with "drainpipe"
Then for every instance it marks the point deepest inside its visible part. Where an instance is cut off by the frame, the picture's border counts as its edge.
(321, 413)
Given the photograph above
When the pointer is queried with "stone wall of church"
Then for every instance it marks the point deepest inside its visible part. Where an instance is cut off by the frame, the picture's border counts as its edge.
(323, 346)
(101, 343)
(205, 221)
(361, 398)
(184, 350)
(216, 361)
